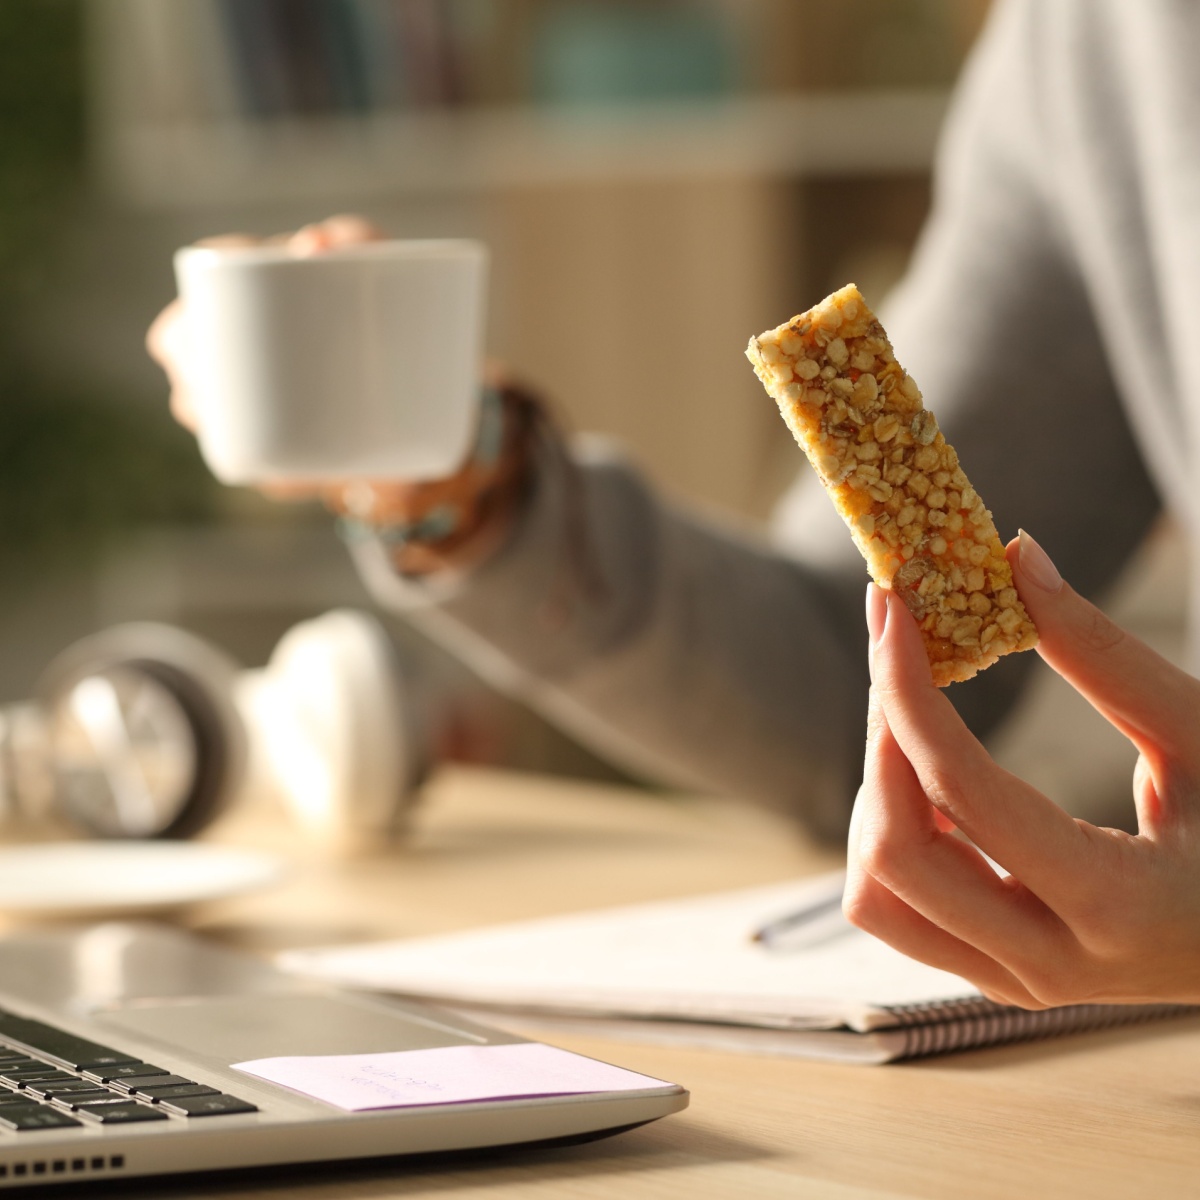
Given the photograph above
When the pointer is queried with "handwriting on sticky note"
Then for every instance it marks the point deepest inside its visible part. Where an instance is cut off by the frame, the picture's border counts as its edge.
(445, 1075)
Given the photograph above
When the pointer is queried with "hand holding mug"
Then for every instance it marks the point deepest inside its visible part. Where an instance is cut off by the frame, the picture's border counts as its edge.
(333, 362)
(1082, 914)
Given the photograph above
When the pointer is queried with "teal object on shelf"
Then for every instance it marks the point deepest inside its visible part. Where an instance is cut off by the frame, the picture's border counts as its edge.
(593, 52)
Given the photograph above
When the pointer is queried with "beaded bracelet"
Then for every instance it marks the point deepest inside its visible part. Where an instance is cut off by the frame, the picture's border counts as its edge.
(448, 525)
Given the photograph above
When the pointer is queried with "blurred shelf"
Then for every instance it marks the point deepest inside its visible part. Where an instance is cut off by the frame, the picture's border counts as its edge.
(183, 164)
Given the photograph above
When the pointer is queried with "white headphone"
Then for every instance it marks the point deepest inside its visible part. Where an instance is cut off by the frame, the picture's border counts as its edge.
(335, 721)
(144, 730)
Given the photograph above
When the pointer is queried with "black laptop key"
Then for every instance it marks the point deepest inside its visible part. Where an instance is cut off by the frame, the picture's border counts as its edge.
(125, 1112)
(22, 1075)
(49, 1077)
(98, 1100)
(122, 1071)
(138, 1083)
(75, 1051)
(207, 1106)
(44, 1085)
(25, 1063)
(35, 1116)
(178, 1089)
(73, 1099)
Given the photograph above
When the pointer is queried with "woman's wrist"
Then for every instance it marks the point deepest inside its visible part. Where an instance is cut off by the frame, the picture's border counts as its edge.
(455, 523)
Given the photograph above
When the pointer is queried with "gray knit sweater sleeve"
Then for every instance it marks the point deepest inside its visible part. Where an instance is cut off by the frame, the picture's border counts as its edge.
(698, 656)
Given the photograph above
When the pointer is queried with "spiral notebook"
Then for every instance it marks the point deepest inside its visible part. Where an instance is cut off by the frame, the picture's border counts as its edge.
(690, 971)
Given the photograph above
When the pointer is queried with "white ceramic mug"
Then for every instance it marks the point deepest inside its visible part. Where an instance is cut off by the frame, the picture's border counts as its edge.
(364, 362)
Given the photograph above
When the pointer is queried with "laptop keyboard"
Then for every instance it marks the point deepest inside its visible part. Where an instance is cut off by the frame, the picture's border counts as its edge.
(52, 1079)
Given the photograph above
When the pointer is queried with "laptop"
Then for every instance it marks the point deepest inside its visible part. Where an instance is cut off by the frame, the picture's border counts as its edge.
(117, 1045)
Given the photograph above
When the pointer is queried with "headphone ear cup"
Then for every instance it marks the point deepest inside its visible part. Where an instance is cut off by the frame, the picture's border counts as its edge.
(339, 728)
(188, 675)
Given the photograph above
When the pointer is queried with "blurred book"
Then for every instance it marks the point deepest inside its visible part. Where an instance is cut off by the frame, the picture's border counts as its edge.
(586, 51)
(184, 68)
(278, 58)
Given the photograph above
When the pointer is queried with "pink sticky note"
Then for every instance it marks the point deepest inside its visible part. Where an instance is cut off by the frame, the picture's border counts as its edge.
(445, 1075)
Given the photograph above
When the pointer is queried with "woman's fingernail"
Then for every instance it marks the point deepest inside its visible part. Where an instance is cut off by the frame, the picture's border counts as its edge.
(876, 612)
(1035, 564)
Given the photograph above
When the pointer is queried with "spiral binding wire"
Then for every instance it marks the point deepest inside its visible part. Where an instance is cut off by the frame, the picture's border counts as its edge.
(940, 1027)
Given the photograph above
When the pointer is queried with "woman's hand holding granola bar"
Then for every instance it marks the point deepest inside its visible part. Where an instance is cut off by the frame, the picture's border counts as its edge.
(1083, 913)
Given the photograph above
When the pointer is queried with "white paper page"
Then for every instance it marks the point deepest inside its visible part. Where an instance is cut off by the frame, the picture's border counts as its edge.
(690, 959)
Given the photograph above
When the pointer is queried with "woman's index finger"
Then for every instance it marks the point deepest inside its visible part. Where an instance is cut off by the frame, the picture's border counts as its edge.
(1013, 823)
(1150, 700)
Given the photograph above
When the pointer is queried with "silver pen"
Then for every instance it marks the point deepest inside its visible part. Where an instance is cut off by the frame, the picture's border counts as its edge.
(801, 927)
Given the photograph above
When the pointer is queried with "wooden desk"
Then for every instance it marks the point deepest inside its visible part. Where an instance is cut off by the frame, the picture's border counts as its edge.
(1114, 1114)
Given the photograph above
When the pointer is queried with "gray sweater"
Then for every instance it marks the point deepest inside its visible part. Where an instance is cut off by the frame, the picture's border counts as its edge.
(1049, 316)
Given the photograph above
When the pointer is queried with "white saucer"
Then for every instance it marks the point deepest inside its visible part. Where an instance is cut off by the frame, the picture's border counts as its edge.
(91, 879)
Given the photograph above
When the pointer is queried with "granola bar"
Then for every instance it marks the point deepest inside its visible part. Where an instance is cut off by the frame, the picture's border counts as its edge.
(858, 416)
